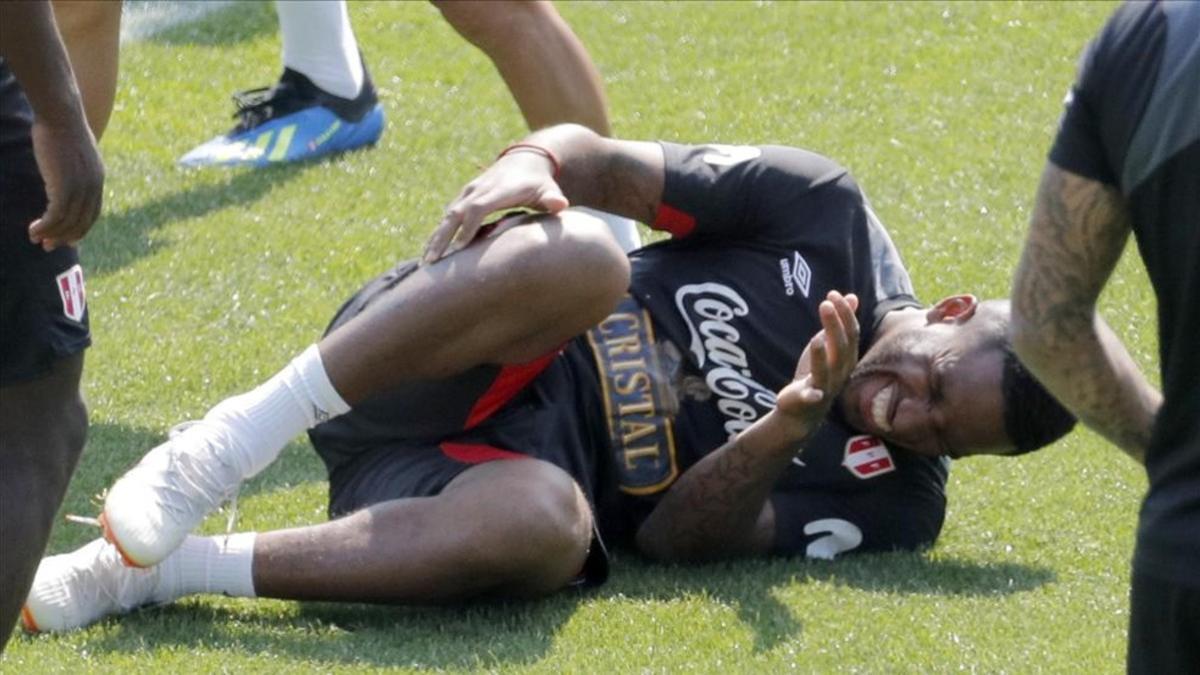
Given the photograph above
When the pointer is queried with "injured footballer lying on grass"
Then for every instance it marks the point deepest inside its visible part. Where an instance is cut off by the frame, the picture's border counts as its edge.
(492, 416)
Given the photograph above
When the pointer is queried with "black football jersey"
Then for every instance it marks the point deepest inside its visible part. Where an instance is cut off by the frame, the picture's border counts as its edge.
(716, 320)
(1132, 121)
(16, 121)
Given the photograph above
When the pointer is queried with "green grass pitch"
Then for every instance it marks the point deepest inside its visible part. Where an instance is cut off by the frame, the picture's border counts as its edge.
(203, 283)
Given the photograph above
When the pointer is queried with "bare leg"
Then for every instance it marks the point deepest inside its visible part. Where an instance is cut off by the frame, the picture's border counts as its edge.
(546, 67)
(91, 31)
(43, 424)
(513, 528)
(476, 307)
(516, 528)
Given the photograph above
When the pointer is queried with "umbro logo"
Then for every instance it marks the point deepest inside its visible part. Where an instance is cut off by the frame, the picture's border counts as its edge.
(796, 274)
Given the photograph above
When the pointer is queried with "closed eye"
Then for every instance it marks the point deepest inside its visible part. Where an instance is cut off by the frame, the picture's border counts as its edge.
(935, 383)
(936, 397)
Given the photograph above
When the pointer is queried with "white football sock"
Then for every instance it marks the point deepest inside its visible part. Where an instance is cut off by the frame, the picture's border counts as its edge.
(624, 229)
(221, 564)
(255, 426)
(319, 43)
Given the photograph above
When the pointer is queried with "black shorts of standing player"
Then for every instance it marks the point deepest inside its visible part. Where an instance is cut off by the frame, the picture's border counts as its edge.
(43, 311)
(1164, 627)
(413, 440)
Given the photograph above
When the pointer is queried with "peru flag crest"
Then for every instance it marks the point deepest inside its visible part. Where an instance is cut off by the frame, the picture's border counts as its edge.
(70, 288)
(867, 457)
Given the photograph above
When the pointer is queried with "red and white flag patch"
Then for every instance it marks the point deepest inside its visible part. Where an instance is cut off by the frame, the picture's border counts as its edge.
(70, 288)
(867, 457)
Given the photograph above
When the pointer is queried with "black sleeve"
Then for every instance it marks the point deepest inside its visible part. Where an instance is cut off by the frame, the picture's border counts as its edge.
(745, 192)
(893, 287)
(1116, 77)
(819, 524)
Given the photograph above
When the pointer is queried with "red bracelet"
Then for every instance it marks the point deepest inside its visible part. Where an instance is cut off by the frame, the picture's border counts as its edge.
(531, 147)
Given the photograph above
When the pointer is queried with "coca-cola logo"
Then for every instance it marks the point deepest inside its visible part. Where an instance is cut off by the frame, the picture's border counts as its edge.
(709, 310)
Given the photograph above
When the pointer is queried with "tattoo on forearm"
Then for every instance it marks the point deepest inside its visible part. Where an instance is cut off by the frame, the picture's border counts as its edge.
(714, 507)
(1079, 231)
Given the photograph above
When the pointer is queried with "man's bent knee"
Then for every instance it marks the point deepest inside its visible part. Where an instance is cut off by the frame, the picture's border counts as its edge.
(560, 531)
(545, 521)
(571, 259)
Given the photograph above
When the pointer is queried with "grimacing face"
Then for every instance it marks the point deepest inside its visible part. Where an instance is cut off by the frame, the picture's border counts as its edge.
(934, 385)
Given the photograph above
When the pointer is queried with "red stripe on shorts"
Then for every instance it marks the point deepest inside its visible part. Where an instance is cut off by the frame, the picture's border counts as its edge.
(678, 223)
(477, 453)
(511, 380)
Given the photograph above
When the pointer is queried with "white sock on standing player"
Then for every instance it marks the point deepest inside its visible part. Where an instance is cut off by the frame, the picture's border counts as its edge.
(319, 43)
(255, 426)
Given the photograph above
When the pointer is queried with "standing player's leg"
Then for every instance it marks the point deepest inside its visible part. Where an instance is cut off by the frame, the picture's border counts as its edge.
(43, 421)
(323, 103)
(91, 32)
(319, 43)
(513, 529)
(43, 424)
(470, 309)
(547, 69)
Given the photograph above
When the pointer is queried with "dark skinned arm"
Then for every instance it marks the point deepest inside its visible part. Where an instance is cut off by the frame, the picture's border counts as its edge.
(1076, 236)
(62, 142)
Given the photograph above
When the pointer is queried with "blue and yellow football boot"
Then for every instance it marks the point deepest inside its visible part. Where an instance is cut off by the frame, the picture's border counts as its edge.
(293, 121)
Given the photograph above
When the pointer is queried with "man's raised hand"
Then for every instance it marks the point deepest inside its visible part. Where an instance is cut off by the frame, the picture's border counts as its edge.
(823, 368)
(521, 177)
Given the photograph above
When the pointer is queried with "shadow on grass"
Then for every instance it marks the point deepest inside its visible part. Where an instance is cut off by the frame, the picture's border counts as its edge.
(917, 574)
(126, 234)
(237, 22)
(746, 586)
(750, 586)
(328, 635)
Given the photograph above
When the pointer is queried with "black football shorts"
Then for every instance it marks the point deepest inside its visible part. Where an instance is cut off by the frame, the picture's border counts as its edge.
(43, 307)
(1164, 627)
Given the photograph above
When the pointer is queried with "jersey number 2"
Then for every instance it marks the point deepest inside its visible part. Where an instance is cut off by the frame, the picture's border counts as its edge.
(839, 536)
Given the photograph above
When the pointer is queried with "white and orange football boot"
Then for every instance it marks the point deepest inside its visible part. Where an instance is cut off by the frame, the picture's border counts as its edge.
(151, 509)
(77, 589)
